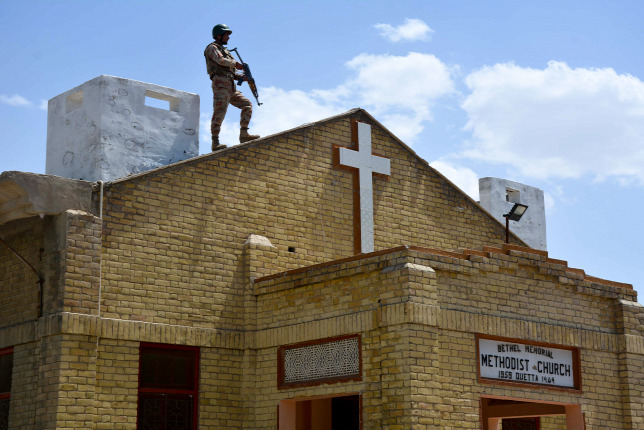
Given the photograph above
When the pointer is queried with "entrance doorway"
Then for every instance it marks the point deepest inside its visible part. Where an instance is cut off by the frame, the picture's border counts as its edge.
(498, 413)
(329, 413)
(520, 424)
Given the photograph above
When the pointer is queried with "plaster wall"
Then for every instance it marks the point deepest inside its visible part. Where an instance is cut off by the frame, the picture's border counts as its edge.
(106, 129)
(499, 195)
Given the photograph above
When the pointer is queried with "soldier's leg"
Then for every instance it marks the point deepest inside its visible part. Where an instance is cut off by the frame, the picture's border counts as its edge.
(240, 101)
(222, 91)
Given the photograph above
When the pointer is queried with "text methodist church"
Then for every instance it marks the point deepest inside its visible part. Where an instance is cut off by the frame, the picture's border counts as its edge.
(321, 278)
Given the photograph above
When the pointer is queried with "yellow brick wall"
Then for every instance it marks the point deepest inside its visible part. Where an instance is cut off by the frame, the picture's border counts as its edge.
(552, 423)
(18, 283)
(48, 382)
(54, 383)
(456, 380)
(519, 286)
(24, 386)
(632, 370)
(117, 383)
(81, 269)
(174, 238)
(220, 389)
(65, 250)
(77, 382)
(421, 334)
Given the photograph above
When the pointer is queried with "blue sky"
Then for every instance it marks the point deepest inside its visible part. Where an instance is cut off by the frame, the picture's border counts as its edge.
(547, 93)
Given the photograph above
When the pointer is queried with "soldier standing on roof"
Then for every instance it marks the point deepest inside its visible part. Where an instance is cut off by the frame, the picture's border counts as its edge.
(222, 68)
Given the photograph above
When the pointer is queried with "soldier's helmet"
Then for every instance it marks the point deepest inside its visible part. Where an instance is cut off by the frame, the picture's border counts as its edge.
(220, 29)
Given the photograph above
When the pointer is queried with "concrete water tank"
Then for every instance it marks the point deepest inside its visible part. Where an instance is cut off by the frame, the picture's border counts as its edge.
(111, 127)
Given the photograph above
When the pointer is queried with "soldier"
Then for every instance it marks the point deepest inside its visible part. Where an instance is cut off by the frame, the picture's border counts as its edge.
(221, 68)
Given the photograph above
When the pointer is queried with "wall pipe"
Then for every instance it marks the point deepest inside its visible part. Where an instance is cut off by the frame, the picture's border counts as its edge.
(100, 256)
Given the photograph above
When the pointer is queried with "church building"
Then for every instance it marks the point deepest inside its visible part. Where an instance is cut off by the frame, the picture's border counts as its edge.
(321, 278)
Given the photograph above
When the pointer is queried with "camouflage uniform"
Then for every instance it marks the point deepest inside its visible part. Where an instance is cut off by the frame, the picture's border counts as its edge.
(221, 69)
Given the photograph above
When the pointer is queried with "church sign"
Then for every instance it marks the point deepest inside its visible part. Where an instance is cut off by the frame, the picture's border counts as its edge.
(519, 362)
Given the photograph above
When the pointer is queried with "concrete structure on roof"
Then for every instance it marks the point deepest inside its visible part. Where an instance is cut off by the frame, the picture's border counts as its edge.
(497, 196)
(110, 127)
(231, 291)
(28, 194)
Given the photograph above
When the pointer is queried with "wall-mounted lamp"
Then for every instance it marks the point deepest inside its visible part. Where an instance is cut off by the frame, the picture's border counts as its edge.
(515, 214)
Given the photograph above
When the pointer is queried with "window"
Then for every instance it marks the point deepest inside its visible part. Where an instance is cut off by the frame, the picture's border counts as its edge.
(319, 361)
(162, 101)
(512, 196)
(6, 370)
(168, 387)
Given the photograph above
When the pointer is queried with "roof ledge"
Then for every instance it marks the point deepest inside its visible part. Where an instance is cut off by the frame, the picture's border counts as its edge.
(24, 195)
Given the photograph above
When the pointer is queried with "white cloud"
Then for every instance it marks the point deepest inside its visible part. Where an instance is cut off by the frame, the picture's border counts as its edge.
(283, 110)
(405, 126)
(464, 178)
(399, 90)
(549, 201)
(411, 30)
(44, 105)
(410, 82)
(15, 100)
(558, 122)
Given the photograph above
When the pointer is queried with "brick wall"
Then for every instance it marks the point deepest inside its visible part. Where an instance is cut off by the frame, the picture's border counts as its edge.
(552, 423)
(420, 325)
(82, 263)
(24, 386)
(19, 284)
(220, 398)
(174, 238)
(117, 383)
(65, 250)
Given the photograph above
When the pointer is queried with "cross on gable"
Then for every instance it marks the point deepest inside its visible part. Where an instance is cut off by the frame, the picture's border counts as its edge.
(364, 165)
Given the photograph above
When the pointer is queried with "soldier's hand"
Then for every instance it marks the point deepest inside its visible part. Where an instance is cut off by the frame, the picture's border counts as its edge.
(239, 66)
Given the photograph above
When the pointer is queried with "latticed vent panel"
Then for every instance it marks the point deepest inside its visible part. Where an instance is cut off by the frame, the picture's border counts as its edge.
(337, 359)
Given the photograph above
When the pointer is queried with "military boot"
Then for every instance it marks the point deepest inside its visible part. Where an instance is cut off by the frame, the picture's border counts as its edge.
(245, 137)
(216, 146)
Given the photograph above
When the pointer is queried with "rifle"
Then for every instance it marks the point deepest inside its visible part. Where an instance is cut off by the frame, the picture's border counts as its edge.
(249, 76)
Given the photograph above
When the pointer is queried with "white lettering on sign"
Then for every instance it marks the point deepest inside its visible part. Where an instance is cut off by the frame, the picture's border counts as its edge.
(367, 164)
(518, 362)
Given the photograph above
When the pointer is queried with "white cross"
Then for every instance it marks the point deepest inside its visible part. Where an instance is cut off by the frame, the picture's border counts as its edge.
(367, 164)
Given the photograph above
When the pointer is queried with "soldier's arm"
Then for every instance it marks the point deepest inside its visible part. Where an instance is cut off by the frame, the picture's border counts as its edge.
(215, 55)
